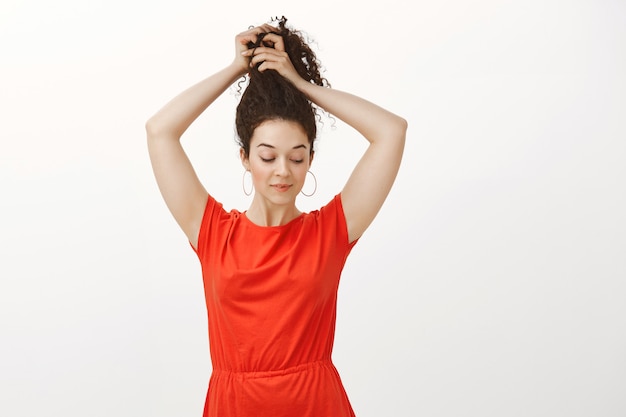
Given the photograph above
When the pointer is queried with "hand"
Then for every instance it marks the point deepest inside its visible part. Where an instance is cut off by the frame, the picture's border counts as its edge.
(241, 45)
(273, 57)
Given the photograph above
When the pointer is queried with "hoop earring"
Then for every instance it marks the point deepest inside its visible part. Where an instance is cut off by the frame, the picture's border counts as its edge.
(314, 189)
(243, 183)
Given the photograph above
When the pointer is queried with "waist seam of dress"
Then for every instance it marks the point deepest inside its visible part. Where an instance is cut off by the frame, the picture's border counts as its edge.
(273, 373)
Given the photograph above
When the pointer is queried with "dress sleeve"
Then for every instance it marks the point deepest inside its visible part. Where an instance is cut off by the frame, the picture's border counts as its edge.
(213, 211)
(333, 213)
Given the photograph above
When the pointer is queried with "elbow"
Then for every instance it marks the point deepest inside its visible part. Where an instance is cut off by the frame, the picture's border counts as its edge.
(156, 129)
(404, 124)
(401, 125)
(392, 132)
(152, 128)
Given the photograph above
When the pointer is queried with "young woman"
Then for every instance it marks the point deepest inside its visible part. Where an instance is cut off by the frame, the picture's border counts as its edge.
(271, 273)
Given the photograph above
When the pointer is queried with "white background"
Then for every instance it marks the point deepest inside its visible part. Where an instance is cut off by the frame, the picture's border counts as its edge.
(493, 282)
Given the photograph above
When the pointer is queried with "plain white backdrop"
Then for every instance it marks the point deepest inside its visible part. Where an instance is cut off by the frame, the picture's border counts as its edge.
(492, 283)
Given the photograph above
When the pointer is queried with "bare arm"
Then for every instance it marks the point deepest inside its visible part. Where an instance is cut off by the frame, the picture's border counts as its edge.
(371, 180)
(180, 187)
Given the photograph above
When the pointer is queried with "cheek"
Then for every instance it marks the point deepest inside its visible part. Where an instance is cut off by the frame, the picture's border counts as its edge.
(259, 171)
(256, 170)
(302, 172)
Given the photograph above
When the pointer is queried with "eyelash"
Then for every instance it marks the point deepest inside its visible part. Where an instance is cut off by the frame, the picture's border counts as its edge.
(297, 161)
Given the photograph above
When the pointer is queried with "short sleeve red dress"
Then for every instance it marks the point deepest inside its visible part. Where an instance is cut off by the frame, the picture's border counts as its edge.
(271, 295)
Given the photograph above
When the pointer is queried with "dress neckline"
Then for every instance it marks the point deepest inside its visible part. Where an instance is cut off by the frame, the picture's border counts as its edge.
(278, 227)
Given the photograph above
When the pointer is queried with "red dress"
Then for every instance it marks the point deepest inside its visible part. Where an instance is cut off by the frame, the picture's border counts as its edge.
(271, 295)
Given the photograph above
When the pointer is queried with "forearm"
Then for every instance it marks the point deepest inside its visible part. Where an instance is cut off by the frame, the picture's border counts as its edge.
(372, 121)
(178, 114)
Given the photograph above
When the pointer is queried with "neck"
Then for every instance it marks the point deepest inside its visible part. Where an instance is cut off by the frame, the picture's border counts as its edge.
(267, 214)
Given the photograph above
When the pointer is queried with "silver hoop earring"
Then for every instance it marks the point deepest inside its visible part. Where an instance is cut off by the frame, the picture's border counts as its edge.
(314, 189)
(243, 183)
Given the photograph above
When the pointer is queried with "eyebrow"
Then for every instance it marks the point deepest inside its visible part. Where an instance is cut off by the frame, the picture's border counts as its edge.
(273, 147)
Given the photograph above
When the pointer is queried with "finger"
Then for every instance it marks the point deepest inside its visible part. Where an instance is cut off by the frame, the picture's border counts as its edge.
(270, 61)
(276, 39)
(265, 54)
(265, 50)
(268, 28)
(252, 35)
(270, 65)
(265, 65)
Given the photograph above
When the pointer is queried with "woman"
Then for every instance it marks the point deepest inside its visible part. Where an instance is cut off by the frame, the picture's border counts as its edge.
(271, 273)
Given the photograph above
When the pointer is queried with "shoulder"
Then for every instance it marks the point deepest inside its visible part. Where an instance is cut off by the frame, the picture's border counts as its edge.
(215, 209)
(215, 222)
(330, 219)
(330, 209)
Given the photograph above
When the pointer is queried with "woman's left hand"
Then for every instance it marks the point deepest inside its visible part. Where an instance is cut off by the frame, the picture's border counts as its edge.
(273, 58)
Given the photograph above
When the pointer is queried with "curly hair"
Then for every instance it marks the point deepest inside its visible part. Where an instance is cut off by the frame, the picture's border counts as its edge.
(269, 96)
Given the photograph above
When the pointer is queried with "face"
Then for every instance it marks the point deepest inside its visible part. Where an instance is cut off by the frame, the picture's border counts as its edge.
(280, 156)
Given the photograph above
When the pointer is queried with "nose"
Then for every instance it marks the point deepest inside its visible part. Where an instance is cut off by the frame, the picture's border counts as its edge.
(281, 167)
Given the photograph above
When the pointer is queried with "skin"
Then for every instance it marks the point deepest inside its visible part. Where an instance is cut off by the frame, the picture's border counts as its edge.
(363, 194)
(279, 159)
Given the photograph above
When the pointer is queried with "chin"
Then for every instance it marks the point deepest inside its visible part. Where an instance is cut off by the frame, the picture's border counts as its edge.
(283, 200)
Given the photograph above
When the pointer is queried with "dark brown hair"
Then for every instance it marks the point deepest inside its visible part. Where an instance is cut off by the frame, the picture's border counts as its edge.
(269, 96)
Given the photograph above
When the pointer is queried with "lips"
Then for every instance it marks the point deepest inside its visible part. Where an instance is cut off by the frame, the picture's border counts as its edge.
(281, 187)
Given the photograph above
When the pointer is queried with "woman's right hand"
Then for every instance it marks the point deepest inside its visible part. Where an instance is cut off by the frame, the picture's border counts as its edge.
(241, 45)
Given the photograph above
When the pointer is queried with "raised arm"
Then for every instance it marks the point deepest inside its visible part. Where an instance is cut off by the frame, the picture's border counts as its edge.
(371, 180)
(180, 187)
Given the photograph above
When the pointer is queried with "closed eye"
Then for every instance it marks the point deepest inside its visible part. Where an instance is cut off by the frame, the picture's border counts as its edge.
(297, 161)
(267, 159)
